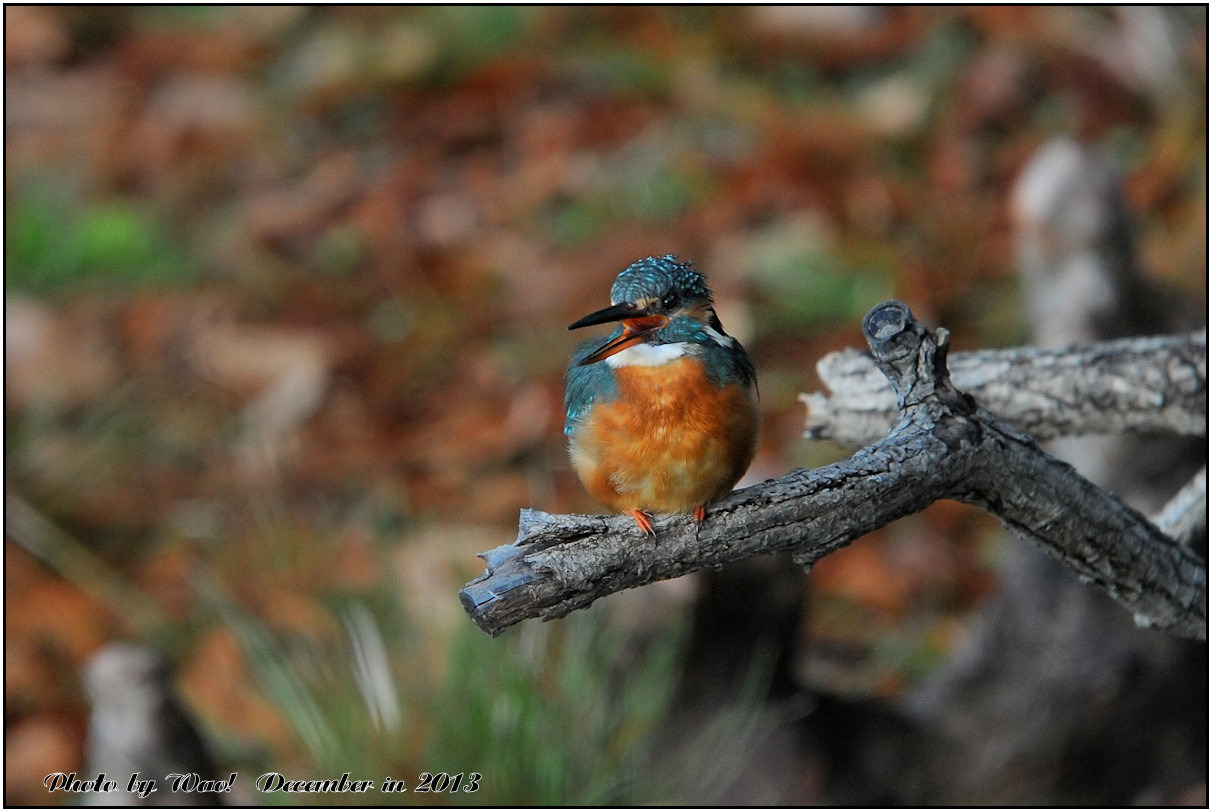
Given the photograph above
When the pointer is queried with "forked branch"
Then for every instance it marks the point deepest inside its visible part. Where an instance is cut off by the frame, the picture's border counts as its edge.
(943, 446)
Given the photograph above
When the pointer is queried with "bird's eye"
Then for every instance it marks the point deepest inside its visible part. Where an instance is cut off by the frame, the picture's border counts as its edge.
(670, 301)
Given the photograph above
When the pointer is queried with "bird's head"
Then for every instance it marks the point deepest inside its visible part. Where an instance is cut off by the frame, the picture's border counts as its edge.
(653, 299)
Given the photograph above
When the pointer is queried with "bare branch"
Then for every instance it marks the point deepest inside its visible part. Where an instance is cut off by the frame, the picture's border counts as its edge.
(1112, 387)
(1185, 516)
(944, 446)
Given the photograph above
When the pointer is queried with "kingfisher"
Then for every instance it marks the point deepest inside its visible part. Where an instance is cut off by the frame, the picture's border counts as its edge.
(662, 416)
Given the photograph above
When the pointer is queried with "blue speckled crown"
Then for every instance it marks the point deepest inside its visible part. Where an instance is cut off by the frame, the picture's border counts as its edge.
(653, 277)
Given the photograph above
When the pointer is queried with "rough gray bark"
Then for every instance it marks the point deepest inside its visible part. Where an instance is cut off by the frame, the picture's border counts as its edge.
(943, 447)
(1149, 384)
(1051, 698)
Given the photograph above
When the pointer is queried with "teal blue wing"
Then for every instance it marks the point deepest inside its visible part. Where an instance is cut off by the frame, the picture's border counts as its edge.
(585, 385)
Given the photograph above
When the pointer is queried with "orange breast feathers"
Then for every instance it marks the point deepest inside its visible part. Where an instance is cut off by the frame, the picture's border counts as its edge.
(672, 440)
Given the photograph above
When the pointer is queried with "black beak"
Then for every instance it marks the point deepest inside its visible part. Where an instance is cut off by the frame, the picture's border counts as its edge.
(636, 324)
(605, 315)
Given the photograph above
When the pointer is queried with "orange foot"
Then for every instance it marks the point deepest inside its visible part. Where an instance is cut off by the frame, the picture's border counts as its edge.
(641, 518)
(700, 513)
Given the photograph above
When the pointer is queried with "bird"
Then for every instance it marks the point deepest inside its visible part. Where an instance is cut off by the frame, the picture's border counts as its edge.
(662, 416)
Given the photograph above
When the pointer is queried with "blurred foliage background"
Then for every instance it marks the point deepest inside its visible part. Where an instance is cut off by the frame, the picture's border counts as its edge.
(285, 300)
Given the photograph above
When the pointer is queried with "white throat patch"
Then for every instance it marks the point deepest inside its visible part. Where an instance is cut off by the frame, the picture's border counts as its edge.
(647, 355)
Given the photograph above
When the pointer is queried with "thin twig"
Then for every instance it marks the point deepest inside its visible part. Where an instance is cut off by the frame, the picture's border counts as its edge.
(67, 556)
(1185, 517)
